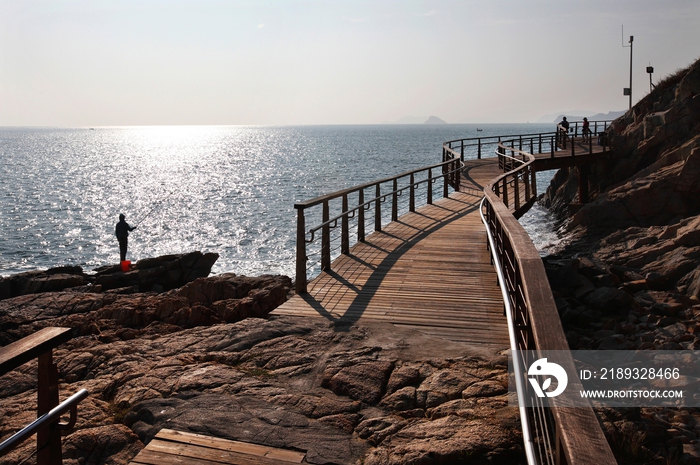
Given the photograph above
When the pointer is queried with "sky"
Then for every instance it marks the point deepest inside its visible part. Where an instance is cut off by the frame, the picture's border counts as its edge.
(76, 63)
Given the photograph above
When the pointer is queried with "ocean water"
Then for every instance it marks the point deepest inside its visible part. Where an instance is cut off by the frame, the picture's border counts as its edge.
(227, 189)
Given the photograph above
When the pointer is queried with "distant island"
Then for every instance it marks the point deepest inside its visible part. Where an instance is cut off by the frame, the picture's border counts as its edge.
(434, 120)
(419, 120)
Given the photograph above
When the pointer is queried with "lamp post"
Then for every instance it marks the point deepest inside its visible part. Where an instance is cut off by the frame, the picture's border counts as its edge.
(650, 70)
(628, 90)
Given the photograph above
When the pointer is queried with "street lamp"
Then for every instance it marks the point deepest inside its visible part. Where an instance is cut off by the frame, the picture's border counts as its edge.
(650, 70)
(628, 90)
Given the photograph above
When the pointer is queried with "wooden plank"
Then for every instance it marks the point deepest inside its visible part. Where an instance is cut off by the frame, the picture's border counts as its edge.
(286, 455)
(209, 455)
(20, 352)
(149, 457)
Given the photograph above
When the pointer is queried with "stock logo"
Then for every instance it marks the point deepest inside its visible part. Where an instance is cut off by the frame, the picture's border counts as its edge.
(542, 368)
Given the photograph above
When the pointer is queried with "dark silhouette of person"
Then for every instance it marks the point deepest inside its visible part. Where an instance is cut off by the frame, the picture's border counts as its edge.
(564, 124)
(122, 233)
(586, 130)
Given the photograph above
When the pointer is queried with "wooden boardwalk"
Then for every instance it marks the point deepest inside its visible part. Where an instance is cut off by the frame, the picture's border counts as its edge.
(430, 270)
(171, 447)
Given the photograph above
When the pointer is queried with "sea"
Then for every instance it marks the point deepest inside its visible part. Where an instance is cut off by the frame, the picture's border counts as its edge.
(224, 189)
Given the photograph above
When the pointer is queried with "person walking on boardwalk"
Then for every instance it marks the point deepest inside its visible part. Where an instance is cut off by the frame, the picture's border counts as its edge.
(586, 130)
(122, 233)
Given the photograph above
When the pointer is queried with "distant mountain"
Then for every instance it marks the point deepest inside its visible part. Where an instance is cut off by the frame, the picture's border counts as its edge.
(419, 120)
(410, 120)
(556, 117)
(579, 115)
(434, 120)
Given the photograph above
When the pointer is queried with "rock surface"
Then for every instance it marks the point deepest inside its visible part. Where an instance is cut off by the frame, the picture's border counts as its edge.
(345, 395)
(151, 274)
(203, 358)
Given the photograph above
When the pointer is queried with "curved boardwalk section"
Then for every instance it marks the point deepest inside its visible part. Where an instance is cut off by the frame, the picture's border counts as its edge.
(430, 270)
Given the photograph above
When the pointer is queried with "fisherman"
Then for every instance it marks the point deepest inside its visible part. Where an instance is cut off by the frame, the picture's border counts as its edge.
(122, 233)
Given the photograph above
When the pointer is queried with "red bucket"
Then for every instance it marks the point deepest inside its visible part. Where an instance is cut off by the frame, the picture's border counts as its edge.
(126, 265)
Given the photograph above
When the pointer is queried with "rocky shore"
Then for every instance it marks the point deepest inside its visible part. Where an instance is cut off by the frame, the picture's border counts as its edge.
(205, 358)
(629, 276)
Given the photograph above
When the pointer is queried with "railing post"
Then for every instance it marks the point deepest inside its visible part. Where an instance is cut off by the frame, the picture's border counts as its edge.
(430, 187)
(540, 150)
(48, 439)
(458, 170)
(326, 238)
(479, 149)
(300, 285)
(361, 216)
(505, 191)
(412, 195)
(395, 201)
(344, 228)
(445, 181)
(534, 183)
(516, 188)
(573, 148)
(526, 181)
(551, 146)
(462, 155)
(378, 209)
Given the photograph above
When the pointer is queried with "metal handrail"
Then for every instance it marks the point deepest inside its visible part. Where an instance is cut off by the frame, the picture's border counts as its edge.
(527, 436)
(45, 420)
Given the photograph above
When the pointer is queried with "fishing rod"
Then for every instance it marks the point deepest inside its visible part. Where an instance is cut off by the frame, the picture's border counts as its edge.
(154, 207)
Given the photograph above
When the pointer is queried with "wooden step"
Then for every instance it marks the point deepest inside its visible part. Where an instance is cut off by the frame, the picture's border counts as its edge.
(171, 447)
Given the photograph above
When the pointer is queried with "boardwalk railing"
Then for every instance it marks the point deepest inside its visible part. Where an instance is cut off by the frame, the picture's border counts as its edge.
(47, 427)
(357, 203)
(545, 142)
(554, 435)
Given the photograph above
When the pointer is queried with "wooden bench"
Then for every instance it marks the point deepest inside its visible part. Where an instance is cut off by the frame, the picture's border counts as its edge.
(47, 425)
(176, 447)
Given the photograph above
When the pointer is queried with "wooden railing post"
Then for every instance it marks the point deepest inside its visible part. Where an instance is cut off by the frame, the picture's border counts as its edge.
(412, 194)
(301, 282)
(378, 209)
(458, 175)
(551, 146)
(534, 182)
(505, 190)
(526, 181)
(445, 181)
(540, 150)
(430, 187)
(325, 238)
(479, 149)
(462, 152)
(395, 201)
(361, 216)
(345, 228)
(516, 188)
(48, 440)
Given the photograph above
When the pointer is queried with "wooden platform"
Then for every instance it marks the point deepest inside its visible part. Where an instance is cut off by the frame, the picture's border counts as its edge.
(430, 270)
(171, 447)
